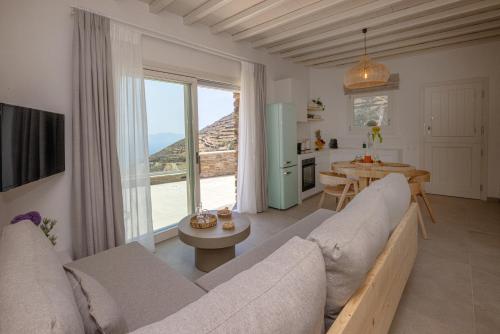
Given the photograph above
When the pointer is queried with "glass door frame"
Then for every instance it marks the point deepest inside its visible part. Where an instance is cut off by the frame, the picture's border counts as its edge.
(192, 151)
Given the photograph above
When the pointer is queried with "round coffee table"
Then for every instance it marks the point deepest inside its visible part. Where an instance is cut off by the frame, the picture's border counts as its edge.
(214, 246)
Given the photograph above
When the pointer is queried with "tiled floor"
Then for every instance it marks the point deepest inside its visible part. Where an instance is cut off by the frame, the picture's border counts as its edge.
(455, 284)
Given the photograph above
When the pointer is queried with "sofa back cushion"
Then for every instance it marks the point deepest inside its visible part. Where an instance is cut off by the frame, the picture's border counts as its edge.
(35, 295)
(284, 293)
(350, 242)
(396, 193)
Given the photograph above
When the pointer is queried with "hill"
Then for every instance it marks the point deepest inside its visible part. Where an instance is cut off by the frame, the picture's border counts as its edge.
(218, 136)
(159, 141)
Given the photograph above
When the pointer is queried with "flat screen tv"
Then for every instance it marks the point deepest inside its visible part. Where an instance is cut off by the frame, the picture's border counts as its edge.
(31, 145)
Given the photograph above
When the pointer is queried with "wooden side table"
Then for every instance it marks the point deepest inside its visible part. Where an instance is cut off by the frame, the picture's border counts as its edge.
(214, 246)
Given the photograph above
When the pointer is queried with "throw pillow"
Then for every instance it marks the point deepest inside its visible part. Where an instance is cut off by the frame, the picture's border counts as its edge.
(99, 311)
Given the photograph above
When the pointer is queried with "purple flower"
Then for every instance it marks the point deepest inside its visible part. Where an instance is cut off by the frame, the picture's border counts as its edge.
(34, 216)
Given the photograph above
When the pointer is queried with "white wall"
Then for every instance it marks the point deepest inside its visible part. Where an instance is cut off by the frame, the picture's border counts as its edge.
(477, 61)
(35, 71)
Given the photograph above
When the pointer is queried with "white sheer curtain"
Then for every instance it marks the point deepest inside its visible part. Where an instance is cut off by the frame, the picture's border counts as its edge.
(251, 179)
(132, 133)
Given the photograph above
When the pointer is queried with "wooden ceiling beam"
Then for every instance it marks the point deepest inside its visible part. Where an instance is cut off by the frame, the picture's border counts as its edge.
(384, 30)
(204, 10)
(245, 15)
(157, 6)
(373, 23)
(491, 35)
(351, 13)
(463, 33)
(404, 35)
(285, 19)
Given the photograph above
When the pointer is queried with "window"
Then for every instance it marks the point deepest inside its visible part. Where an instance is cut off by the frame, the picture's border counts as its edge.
(369, 109)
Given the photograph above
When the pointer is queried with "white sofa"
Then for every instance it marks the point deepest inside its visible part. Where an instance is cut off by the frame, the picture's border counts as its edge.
(282, 286)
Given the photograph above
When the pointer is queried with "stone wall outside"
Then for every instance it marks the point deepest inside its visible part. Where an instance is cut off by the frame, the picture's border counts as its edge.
(218, 163)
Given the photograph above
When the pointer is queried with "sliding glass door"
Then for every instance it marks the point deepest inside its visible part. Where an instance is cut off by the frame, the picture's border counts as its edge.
(192, 138)
(170, 102)
(217, 145)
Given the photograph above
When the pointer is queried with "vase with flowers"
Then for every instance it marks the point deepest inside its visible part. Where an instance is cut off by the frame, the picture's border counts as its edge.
(319, 142)
(374, 135)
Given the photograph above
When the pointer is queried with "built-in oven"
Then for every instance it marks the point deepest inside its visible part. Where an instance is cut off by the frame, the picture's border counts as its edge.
(308, 174)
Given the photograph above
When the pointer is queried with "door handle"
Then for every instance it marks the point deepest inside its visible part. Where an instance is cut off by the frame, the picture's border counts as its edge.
(287, 173)
(427, 128)
(288, 162)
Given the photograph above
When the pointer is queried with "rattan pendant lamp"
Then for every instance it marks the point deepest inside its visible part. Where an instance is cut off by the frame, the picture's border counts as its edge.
(366, 73)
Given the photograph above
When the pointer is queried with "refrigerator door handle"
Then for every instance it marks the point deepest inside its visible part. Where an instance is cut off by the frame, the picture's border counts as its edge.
(287, 173)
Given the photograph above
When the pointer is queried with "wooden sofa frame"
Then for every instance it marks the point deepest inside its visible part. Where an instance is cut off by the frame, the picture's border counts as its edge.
(372, 307)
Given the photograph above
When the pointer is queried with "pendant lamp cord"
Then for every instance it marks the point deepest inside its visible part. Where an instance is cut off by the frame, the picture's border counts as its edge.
(365, 30)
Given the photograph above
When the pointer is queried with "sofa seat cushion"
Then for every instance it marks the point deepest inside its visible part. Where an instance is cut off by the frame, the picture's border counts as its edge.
(145, 288)
(284, 293)
(350, 241)
(302, 228)
(35, 295)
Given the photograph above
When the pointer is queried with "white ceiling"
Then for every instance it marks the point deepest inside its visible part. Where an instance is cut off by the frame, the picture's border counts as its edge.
(326, 33)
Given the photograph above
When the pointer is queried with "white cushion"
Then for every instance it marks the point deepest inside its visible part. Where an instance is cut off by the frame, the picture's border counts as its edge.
(284, 293)
(35, 295)
(350, 241)
(396, 192)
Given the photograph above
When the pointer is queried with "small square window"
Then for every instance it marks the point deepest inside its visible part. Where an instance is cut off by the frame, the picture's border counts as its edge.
(369, 110)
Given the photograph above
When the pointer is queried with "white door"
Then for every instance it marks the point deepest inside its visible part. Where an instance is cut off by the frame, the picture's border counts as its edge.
(453, 138)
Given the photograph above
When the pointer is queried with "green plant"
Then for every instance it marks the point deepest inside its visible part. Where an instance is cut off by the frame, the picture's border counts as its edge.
(319, 103)
(376, 134)
(46, 226)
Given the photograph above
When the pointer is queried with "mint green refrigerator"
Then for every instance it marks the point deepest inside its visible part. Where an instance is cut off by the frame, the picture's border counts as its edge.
(281, 131)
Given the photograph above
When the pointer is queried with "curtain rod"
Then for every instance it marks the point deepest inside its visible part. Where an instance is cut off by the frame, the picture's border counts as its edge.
(169, 38)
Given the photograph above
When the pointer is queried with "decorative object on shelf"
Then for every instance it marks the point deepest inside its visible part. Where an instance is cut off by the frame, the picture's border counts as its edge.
(45, 224)
(312, 117)
(333, 143)
(316, 105)
(224, 213)
(228, 225)
(319, 142)
(366, 73)
(205, 220)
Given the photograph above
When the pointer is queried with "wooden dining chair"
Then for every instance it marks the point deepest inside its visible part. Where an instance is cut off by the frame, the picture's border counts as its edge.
(338, 186)
(416, 181)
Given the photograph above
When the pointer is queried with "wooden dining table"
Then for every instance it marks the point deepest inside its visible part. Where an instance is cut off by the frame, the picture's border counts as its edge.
(365, 172)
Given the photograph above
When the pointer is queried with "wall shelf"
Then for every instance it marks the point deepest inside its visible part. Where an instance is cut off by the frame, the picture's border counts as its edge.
(314, 109)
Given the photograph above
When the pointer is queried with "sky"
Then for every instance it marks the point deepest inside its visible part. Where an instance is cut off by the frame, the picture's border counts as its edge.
(165, 106)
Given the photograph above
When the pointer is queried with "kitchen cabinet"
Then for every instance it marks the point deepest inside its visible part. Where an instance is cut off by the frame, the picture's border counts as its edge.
(293, 91)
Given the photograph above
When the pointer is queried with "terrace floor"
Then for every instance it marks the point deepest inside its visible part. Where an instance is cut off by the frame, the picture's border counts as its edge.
(169, 200)
(454, 286)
